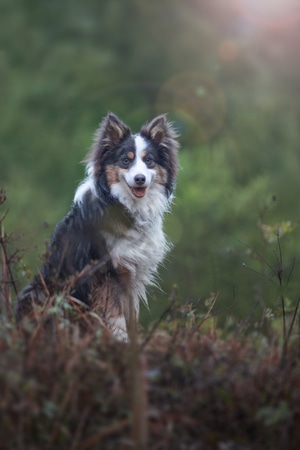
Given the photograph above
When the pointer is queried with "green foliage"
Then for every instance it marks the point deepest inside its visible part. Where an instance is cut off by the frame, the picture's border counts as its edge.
(228, 78)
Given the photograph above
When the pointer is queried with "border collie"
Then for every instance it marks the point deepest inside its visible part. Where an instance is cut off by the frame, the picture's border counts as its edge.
(107, 249)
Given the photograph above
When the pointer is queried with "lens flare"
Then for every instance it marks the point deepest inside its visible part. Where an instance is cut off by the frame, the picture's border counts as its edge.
(197, 102)
(228, 50)
(270, 13)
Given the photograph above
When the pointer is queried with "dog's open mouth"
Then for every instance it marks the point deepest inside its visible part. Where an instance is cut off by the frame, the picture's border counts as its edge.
(139, 191)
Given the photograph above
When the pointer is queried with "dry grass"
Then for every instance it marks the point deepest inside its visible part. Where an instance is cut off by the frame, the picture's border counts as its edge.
(185, 385)
(62, 389)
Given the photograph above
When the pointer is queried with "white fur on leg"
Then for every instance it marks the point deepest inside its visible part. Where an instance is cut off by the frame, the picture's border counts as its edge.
(119, 328)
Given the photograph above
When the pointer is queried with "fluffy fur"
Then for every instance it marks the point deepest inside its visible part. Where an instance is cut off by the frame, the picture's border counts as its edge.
(112, 240)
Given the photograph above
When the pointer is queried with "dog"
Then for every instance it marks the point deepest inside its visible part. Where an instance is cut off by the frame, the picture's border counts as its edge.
(109, 246)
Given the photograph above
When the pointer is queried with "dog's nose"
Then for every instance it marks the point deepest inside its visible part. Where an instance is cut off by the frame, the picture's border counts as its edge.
(140, 179)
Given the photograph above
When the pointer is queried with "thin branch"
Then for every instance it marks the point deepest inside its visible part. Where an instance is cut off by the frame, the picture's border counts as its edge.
(158, 322)
(260, 274)
(261, 257)
(293, 320)
(291, 271)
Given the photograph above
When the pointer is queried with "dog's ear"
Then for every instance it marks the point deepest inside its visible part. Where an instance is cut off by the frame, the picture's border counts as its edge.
(162, 134)
(111, 131)
(159, 130)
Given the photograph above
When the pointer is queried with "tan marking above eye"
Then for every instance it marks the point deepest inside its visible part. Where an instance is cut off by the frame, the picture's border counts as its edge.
(144, 154)
(130, 155)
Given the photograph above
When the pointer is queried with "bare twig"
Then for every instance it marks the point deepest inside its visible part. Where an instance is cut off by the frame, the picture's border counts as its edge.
(169, 308)
(139, 389)
(106, 432)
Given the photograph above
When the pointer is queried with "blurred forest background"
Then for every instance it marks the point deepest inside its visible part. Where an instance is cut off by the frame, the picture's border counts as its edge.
(227, 73)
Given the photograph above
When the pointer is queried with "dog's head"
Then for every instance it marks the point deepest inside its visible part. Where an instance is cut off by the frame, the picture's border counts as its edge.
(130, 165)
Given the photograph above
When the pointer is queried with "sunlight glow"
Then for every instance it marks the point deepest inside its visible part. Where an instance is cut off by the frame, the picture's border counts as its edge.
(270, 13)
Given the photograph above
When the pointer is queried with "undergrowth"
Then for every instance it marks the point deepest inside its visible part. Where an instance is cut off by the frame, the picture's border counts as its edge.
(184, 384)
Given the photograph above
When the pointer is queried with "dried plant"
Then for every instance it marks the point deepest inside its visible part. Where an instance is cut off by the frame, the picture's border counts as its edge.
(67, 383)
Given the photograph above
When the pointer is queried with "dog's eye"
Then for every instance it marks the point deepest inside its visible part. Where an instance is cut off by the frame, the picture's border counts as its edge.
(125, 161)
(149, 161)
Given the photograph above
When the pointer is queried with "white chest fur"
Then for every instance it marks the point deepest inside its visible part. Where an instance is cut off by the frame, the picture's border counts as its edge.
(139, 249)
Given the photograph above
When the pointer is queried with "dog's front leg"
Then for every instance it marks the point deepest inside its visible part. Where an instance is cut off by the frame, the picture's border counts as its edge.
(110, 300)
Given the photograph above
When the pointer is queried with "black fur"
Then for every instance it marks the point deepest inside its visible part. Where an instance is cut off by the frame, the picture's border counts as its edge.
(78, 261)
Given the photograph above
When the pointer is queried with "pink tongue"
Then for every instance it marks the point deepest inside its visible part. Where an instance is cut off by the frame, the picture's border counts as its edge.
(139, 192)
